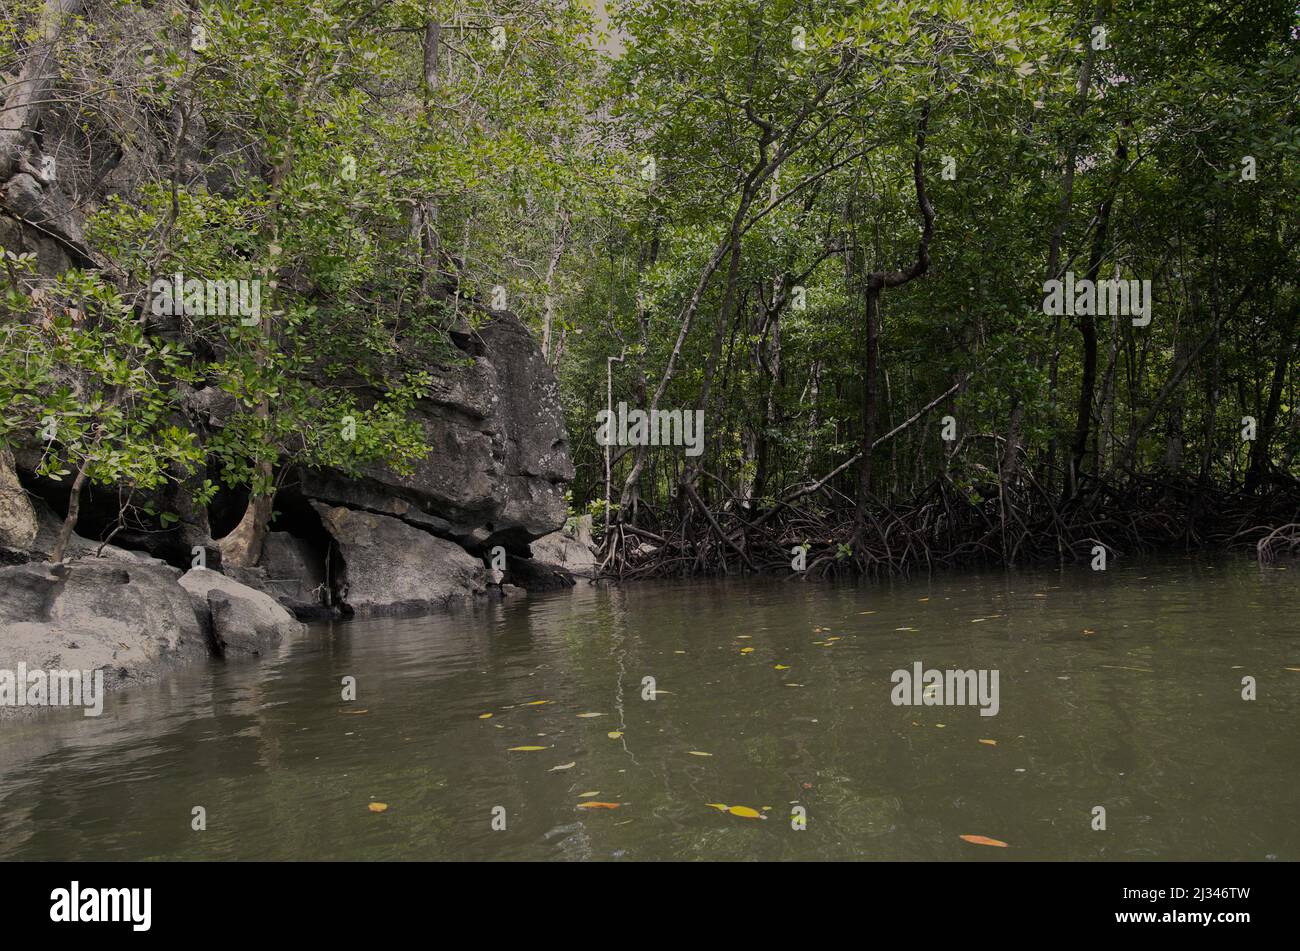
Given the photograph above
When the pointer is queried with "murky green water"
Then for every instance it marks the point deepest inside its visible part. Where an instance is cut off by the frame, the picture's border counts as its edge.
(1120, 690)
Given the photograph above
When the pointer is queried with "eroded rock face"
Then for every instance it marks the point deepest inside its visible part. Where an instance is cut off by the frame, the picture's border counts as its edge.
(237, 618)
(498, 455)
(17, 518)
(391, 567)
(131, 619)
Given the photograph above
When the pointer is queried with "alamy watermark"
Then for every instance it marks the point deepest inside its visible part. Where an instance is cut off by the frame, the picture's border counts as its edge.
(231, 297)
(659, 427)
(53, 688)
(1098, 298)
(946, 688)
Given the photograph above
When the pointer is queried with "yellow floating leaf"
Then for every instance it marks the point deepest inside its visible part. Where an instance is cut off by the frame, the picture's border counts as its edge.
(698, 753)
(780, 667)
(592, 804)
(983, 840)
(378, 807)
(1296, 669)
(718, 806)
(588, 795)
(556, 769)
(747, 650)
(614, 734)
(525, 749)
(745, 812)
(922, 599)
(485, 716)
(586, 716)
(989, 742)
(536, 703)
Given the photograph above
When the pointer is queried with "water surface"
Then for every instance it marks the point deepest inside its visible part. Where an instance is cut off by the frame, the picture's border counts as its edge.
(1119, 689)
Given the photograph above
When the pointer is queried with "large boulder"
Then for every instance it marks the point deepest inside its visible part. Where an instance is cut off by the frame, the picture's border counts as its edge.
(391, 567)
(239, 620)
(130, 618)
(498, 455)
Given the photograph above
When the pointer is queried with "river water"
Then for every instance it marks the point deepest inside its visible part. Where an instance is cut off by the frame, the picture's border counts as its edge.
(1119, 689)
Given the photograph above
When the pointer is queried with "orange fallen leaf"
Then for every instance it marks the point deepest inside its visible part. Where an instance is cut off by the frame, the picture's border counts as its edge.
(597, 805)
(378, 807)
(989, 742)
(983, 840)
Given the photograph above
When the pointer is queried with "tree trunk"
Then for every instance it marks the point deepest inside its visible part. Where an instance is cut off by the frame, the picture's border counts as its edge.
(1259, 451)
(69, 520)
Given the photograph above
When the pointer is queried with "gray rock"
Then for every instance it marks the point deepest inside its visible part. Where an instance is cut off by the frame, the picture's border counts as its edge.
(559, 550)
(394, 568)
(499, 451)
(293, 573)
(239, 619)
(131, 619)
(17, 518)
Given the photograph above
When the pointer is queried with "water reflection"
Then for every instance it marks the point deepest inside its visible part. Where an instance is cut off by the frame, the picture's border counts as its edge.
(1120, 689)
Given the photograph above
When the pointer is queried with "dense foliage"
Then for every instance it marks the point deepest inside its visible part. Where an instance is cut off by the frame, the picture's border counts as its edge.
(829, 227)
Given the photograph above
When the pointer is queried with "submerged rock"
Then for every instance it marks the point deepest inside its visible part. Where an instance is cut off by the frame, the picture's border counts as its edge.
(391, 567)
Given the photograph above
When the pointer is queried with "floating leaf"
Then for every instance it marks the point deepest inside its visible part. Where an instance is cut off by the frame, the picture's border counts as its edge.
(745, 812)
(747, 650)
(354, 712)
(536, 703)
(718, 806)
(556, 769)
(780, 667)
(525, 749)
(983, 840)
(587, 716)
(698, 753)
(597, 805)
(989, 742)
(588, 795)
(485, 716)
(614, 734)
(378, 807)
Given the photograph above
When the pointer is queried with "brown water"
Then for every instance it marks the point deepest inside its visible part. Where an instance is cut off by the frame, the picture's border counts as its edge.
(1119, 689)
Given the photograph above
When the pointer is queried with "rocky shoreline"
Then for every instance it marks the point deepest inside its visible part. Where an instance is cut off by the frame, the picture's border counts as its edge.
(483, 515)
